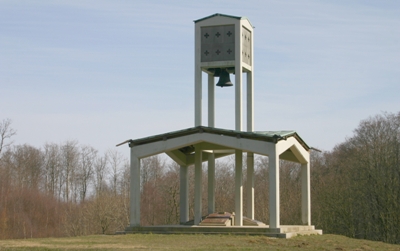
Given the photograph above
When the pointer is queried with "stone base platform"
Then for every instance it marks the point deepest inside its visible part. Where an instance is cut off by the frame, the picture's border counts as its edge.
(282, 232)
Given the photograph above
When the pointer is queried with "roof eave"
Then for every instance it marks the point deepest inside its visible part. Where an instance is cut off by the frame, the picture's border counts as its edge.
(223, 15)
(233, 133)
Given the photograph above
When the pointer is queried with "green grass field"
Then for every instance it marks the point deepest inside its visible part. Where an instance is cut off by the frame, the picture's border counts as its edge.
(195, 242)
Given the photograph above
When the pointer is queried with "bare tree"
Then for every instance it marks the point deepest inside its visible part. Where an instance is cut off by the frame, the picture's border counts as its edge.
(169, 189)
(116, 160)
(88, 156)
(70, 160)
(290, 192)
(6, 132)
(124, 185)
(151, 200)
(26, 162)
(224, 185)
(261, 188)
(100, 170)
(52, 169)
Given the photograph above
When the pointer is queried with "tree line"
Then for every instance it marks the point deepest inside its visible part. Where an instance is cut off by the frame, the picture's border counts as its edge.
(356, 186)
(70, 189)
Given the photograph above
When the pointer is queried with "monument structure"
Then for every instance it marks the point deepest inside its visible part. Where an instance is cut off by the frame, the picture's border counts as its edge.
(224, 46)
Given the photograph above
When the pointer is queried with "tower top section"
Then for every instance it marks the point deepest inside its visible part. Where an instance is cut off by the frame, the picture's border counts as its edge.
(223, 46)
(223, 39)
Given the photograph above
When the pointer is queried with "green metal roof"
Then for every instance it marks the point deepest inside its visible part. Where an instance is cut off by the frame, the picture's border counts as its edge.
(269, 136)
(276, 133)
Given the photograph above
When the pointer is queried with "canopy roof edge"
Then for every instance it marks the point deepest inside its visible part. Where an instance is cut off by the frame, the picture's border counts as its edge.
(268, 136)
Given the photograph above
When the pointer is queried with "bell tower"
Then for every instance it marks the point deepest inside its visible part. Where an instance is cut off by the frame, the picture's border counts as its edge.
(224, 46)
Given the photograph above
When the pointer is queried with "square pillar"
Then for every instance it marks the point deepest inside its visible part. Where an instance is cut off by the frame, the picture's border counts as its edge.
(238, 188)
(274, 214)
(197, 186)
(211, 183)
(238, 96)
(250, 102)
(134, 210)
(183, 195)
(197, 85)
(211, 101)
(305, 194)
(250, 185)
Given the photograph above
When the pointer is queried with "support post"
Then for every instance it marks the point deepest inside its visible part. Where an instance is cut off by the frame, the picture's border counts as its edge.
(134, 191)
(184, 195)
(197, 80)
(211, 183)
(250, 101)
(274, 214)
(197, 186)
(198, 98)
(305, 194)
(250, 185)
(211, 101)
(238, 80)
(238, 101)
(238, 188)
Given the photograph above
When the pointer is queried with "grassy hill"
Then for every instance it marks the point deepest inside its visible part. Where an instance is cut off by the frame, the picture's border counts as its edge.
(195, 242)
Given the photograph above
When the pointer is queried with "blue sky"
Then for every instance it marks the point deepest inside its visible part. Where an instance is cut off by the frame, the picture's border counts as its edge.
(101, 72)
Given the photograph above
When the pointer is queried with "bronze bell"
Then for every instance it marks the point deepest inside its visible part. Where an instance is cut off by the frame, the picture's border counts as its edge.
(224, 79)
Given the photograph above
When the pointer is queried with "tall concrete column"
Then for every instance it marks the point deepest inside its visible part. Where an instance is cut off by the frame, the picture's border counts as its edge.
(250, 185)
(197, 186)
(305, 194)
(197, 98)
(238, 188)
(238, 80)
(238, 100)
(184, 195)
(211, 183)
(274, 213)
(134, 191)
(250, 102)
(197, 81)
(211, 156)
(211, 101)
